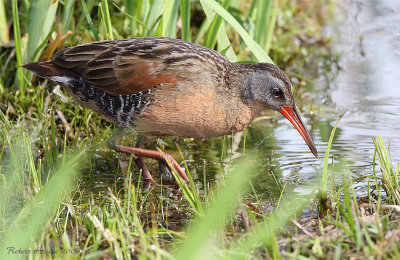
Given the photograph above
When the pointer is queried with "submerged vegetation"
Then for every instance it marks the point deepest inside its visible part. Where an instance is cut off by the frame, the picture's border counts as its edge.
(64, 193)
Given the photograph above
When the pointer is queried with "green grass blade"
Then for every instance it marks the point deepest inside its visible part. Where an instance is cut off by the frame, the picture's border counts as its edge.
(190, 191)
(134, 10)
(325, 174)
(68, 10)
(255, 48)
(41, 20)
(41, 46)
(185, 17)
(224, 45)
(12, 182)
(89, 21)
(211, 36)
(155, 13)
(262, 20)
(389, 174)
(202, 30)
(37, 182)
(169, 18)
(3, 24)
(271, 27)
(383, 155)
(106, 20)
(18, 46)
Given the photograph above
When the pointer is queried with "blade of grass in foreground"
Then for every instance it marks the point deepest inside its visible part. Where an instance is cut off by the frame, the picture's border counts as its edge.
(68, 11)
(31, 221)
(134, 11)
(202, 234)
(224, 45)
(152, 20)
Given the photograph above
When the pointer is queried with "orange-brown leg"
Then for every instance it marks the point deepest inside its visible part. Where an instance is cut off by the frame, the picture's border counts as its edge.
(141, 164)
(139, 160)
(140, 153)
(161, 157)
(145, 171)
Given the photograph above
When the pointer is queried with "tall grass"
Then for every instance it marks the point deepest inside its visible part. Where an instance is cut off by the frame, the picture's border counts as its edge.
(40, 189)
(255, 48)
(134, 14)
(185, 17)
(169, 17)
(28, 228)
(40, 22)
(323, 193)
(18, 46)
(106, 20)
(390, 174)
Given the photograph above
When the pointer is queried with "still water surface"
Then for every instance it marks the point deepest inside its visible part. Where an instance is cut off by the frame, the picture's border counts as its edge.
(366, 34)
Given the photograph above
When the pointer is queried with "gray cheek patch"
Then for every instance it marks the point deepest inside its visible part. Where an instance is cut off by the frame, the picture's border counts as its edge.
(259, 86)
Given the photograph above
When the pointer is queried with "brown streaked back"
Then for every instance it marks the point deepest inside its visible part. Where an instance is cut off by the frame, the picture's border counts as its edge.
(130, 66)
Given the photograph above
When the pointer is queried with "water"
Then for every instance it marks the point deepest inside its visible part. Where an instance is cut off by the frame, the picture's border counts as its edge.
(366, 34)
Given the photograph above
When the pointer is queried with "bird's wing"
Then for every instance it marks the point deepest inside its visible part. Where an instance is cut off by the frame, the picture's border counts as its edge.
(138, 64)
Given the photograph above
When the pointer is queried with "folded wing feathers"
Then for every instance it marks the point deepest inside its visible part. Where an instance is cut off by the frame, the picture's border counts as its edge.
(112, 65)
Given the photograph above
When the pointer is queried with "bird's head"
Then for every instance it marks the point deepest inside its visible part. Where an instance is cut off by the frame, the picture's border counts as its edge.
(267, 85)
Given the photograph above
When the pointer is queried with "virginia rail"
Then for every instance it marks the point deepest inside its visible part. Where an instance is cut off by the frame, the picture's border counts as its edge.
(158, 86)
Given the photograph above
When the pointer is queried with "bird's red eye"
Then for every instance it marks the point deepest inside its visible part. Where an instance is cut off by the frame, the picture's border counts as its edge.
(276, 92)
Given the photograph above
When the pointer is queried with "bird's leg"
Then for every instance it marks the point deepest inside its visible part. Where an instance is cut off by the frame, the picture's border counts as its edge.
(139, 160)
(140, 153)
(112, 143)
(162, 157)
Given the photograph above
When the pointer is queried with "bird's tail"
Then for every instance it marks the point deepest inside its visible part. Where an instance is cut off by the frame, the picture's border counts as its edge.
(44, 69)
(49, 69)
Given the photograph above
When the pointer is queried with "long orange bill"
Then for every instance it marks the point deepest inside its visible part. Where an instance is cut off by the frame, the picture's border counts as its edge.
(293, 116)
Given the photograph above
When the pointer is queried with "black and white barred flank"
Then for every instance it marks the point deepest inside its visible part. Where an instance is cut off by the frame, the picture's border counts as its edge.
(121, 109)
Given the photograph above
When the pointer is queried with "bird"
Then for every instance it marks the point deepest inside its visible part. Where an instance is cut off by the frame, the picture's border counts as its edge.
(158, 86)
